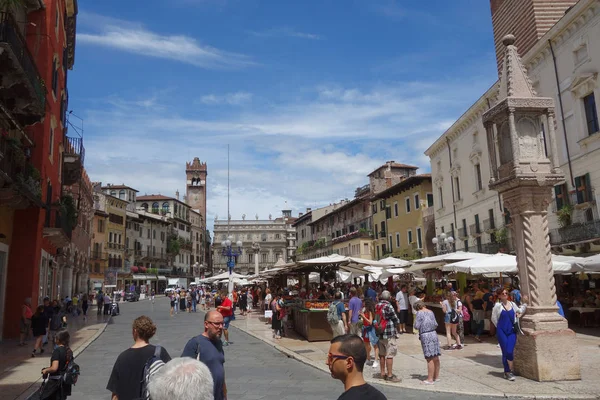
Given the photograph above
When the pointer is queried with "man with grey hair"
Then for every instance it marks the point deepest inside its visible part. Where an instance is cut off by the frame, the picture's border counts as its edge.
(387, 325)
(182, 378)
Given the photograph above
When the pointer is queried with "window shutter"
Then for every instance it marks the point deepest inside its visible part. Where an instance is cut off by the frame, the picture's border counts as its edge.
(558, 194)
(588, 187)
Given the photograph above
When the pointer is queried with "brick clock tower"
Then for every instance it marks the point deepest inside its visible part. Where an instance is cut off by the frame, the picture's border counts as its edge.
(528, 20)
(196, 185)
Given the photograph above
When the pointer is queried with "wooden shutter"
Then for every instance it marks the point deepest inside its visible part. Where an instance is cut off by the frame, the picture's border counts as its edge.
(559, 196)
(588, 188)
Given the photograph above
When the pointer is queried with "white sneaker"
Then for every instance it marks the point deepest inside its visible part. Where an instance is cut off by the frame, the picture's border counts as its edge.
(375, 364)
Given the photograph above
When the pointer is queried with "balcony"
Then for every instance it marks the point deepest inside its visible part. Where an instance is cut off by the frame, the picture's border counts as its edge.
(57, 228)
(353, 235)
(475, 230)
(19, 181)
(462, 233)
(21, 87)
(98, 256)
(73, 156)
(489, 225)
(115, 246)
(576, 233)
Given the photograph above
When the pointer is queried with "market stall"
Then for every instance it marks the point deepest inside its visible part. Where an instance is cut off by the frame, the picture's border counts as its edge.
(310, 319)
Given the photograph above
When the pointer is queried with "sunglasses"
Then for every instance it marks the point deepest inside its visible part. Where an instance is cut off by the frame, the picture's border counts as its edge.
(336, 357)
(216, 323)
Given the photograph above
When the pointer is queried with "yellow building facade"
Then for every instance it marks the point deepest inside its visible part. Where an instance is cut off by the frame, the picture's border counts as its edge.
(399, 215)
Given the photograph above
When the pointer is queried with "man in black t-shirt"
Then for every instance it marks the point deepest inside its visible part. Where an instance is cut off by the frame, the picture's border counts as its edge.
(346, 359)
(125, 382)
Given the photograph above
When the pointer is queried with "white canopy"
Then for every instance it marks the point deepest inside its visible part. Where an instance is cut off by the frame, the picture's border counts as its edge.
(497, 263)
(224, 275)
(590, 264)
(449, 257)
(396, 262)
(330, 259)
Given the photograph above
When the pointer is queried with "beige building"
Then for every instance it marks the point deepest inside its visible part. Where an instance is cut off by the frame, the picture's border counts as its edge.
(464, 207)
(271, 235)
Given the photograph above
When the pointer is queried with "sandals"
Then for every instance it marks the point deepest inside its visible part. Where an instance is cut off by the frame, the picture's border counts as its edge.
(392, 378)
(378, 376)
(427, 383)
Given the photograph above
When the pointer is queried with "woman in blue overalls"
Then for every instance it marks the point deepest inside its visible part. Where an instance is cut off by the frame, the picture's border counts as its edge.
(504, 315)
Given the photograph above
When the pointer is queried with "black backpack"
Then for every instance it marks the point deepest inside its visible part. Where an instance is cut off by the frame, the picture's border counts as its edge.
(56, 321)
(72, 370)
(153, 364)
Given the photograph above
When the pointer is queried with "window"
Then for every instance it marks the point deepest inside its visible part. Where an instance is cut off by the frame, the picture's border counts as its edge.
(388, 212)
(583, 188)
(366, 248)
(100, 226)
(263, 237)
(383, 229)
(122, 194)
(492, 222)
(54, 77)
(277, 236)
(155, 207)
(374, 208)
(429, 199)
(561, 196)
(441, 196)
(148, 233)
(381, 205)
(264, 257)
(591, 113)
(145, 206)
(376, 232)
(419, 239)
(466, 245)
(397, 240)
(409, 236)
(110, 237)
(250, 257)
(478, 181)
(51, 149)
(457, 188)
(417, 201)
(396, 209)
(153, 234)
(377, 249)
(390, 243)
(407, 204)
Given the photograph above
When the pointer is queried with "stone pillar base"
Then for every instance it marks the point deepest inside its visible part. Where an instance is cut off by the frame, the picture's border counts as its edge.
(548, 356)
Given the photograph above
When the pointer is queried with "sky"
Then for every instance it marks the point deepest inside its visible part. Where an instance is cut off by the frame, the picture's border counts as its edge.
(311, 96)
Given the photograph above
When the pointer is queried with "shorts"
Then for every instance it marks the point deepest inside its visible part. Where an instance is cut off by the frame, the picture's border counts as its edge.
(387, 347)
(354, 328)
(203, 301)
(338, 329)
(369, 336)
(447, 318)
(226, 321)
(403, 316)
(25, 325)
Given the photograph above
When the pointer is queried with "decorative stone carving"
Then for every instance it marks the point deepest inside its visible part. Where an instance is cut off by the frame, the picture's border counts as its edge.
(525, 177)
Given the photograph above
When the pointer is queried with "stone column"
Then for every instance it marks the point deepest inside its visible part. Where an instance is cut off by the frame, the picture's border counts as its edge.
(548, 350)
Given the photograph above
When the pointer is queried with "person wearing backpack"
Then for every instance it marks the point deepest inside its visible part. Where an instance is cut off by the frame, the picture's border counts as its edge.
(56, 388)
(128, 377)
(336, 316)
(451, 320)
(58, 320)
(208, 349)
(387, 325)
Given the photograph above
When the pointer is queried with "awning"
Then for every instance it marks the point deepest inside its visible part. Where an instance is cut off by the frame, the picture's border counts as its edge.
(143, 277)
(162, 278)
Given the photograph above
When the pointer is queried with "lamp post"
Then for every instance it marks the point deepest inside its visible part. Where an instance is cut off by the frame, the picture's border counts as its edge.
(443, 244)
(231, 253)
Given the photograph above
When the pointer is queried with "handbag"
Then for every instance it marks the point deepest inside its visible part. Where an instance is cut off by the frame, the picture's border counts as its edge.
(453, 317)
(517, 327)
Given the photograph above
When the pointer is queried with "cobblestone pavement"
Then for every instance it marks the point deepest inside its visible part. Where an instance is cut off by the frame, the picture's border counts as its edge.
(254, 370)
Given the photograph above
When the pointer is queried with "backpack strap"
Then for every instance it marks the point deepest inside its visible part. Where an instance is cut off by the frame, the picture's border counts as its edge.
(198, 351)
(157, 351)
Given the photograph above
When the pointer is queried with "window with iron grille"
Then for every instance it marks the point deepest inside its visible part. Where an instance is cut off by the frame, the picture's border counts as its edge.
(561, 196)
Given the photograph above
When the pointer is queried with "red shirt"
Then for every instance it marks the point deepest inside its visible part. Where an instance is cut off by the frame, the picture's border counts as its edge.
(226, 303)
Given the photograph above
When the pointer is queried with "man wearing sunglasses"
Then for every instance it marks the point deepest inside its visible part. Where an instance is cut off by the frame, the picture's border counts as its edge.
(208, 349)
(346, 359)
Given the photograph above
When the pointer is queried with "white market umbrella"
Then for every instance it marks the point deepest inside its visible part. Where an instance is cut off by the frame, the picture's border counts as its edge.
(497, 263)
(373, 263)
(590, 264)
(396, 262)
(343, 276)
(224, 275)
(325, 260)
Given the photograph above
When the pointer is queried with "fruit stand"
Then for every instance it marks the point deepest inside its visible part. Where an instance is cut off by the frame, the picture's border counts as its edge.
(310, 319)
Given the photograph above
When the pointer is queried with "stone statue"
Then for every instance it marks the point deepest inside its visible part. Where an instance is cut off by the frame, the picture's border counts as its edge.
(243, 217)
(270, 217)
(256, 216)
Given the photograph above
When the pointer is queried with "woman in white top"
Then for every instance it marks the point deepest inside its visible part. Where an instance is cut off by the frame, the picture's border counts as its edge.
(268, 299)
(451, 320)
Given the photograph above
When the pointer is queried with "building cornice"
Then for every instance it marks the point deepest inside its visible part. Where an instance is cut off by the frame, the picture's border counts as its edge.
(468, 119)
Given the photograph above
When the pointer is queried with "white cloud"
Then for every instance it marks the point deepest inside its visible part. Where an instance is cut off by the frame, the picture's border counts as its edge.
(309, 152)
(285, 32)
(134, 38)
(233, 99)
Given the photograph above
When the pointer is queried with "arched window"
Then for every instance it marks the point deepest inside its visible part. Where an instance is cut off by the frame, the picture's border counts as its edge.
(165, 207)
(175, 209)
(145, 206)
(155, 207)
(277, 236)
(122, 194)
(113, 193)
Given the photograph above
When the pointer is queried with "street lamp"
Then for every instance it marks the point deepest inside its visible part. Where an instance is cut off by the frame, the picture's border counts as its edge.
(443, 243)
(231, 253)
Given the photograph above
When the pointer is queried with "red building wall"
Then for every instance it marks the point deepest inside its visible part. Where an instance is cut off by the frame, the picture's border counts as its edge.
(46, 42)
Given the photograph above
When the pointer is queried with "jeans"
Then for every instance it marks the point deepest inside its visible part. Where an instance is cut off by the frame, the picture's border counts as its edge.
(176, 307)
(194, 304)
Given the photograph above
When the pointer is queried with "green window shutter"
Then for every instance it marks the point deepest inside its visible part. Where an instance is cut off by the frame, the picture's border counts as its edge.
(588, 187)
(558, 194)
(578, 191)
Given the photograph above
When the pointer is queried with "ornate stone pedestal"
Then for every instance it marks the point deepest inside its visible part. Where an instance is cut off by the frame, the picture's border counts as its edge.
(548, 350)
(524, 173)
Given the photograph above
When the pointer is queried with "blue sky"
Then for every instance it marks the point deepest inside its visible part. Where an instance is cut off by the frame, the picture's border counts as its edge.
(310, 95)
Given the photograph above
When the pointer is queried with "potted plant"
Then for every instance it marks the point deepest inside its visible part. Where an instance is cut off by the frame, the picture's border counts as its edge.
(564, 215)
(501, 236)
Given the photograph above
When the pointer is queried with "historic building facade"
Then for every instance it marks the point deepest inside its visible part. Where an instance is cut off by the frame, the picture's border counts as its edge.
(38, 155)
(99, 254)
(271, 235)
(398, 219)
